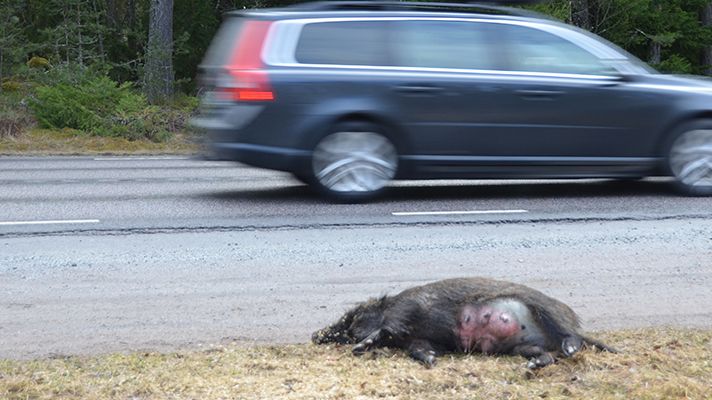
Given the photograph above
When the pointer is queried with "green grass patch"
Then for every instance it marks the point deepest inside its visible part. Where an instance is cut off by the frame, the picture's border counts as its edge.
(653, 364)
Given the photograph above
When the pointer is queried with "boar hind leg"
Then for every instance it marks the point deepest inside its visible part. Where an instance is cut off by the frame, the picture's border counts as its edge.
(598, 345)
(422, 351)
(571, 345)
(537, 356)
(370, 342)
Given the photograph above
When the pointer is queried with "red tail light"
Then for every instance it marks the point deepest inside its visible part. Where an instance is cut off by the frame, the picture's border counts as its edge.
(248, 79)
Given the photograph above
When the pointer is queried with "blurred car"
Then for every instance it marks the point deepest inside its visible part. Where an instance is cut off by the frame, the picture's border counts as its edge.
(348, 96)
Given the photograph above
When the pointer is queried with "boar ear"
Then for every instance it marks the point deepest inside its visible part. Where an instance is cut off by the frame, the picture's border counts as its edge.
(372, 304)
(348, 317)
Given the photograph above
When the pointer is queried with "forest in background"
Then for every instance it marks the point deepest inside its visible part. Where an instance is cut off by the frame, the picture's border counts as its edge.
(127, 68)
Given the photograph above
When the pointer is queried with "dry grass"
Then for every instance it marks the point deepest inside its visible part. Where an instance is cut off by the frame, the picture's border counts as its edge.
(654, 364)
(69, 142)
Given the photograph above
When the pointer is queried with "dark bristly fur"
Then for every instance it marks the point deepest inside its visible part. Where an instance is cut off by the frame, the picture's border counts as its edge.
(423, 320)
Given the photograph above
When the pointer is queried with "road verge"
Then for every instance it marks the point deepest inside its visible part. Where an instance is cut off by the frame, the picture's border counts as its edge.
(653, 363)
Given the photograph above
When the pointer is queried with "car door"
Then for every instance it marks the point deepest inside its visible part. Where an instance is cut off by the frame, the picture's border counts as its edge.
(565, 102)
(494, 92)
(445, 101)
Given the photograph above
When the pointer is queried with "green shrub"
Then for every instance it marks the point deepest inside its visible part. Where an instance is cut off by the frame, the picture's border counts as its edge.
(69, 73)
(675, 64)
(63, 106)
(99, 106)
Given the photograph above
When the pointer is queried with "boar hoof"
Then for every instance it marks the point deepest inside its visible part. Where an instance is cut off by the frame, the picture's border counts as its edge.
(426, 357)
(570, 346)
(361, 348)
(540, 361)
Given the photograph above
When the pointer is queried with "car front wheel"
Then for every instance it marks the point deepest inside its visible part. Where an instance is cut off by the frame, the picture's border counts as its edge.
(354, 162)
(690, 159)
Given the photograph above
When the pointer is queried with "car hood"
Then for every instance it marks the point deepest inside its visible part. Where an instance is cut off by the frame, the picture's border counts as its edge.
(685, 83)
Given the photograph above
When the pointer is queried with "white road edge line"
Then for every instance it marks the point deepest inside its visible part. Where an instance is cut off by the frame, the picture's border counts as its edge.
(475, 212)
(66, 221)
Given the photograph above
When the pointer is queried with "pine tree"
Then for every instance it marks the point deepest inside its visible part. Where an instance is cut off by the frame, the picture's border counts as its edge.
(10, 34)
(74, 32)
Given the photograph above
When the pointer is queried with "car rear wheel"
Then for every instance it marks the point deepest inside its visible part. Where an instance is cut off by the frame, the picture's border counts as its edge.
(690, 159)
(354, 162)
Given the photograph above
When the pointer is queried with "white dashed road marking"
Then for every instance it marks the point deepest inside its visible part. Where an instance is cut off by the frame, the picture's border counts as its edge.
(65, 221)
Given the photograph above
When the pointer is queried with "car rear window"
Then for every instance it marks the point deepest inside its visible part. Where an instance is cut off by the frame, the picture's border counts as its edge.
(345, 43)
(224, 42)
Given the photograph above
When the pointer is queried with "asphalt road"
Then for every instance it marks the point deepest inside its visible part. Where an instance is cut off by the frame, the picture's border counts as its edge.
(112, 254)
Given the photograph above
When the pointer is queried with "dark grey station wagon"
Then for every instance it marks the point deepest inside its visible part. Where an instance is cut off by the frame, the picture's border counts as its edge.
(348, 96)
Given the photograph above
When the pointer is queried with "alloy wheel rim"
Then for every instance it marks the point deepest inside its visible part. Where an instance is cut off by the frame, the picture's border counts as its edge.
(691, 158)
(354, 161)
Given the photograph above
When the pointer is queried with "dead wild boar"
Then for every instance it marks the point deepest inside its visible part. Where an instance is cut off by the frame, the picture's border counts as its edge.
(463, 315)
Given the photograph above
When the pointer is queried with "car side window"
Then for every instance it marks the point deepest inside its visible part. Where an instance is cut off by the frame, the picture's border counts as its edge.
(533, 50)
(443, 44)
(343, 43)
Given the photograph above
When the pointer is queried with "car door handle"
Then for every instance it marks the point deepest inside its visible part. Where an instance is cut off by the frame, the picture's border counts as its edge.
(538, 94)
(418, 89)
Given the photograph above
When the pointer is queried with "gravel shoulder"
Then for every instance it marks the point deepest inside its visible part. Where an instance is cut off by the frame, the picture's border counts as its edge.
(91, 294)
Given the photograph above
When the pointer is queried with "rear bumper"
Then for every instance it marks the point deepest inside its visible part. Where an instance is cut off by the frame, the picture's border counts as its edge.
(232, 130)
(278, 158)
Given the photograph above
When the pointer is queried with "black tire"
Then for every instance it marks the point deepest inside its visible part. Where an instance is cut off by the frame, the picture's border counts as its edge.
(689, 158)
(303, 178)
(353, 162)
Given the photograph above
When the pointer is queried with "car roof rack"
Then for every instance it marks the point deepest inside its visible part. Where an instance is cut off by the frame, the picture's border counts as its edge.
(483, 6)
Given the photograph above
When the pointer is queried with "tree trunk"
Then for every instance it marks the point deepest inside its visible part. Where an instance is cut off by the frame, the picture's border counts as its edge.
(2, 60)
(580, 14)
(655, 48)
(158, 79)
(80, 40)
(111, 14)
(706, 19)
(100, 31)
(66, 32)
(131, 14)
(654, 52)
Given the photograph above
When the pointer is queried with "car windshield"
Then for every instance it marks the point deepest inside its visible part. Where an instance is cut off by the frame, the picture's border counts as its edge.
(630, 64)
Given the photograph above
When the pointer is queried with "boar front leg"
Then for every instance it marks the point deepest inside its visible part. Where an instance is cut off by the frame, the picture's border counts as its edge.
(371, 341)
(422, 351)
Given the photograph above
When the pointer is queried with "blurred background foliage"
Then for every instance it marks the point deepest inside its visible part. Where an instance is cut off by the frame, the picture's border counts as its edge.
(52, 51)
(671, 35)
